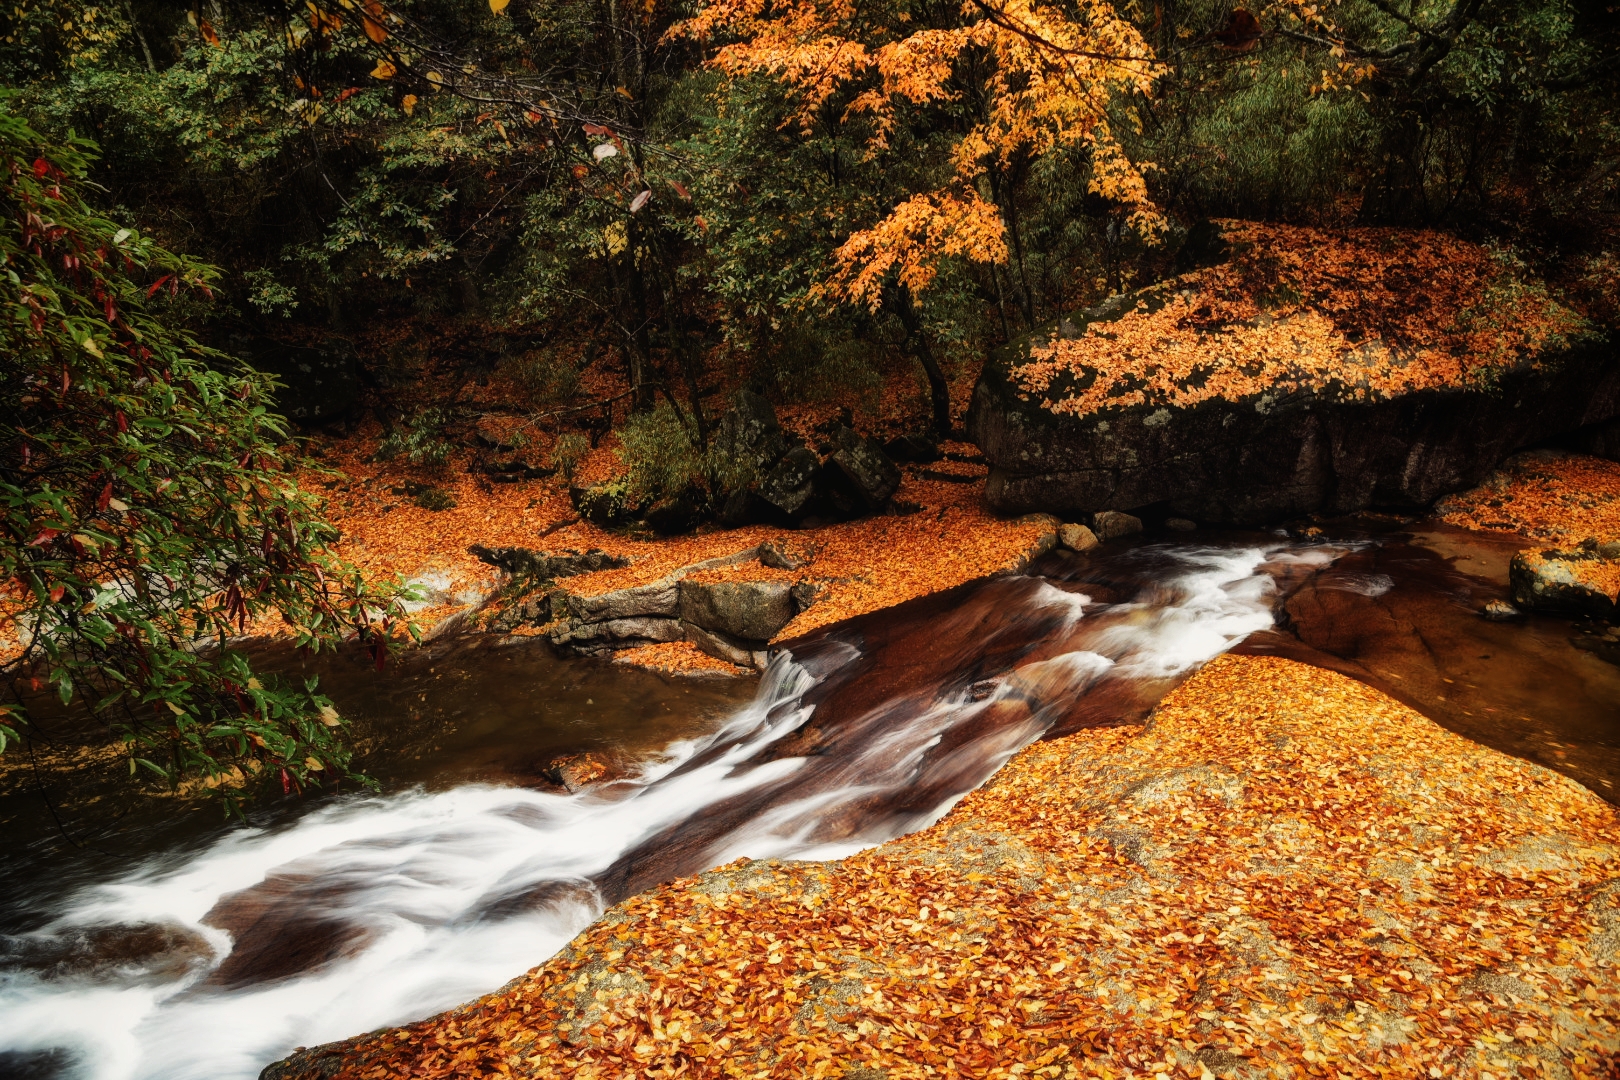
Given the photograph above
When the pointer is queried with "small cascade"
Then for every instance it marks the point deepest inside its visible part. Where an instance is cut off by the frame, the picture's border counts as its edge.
(369, 911)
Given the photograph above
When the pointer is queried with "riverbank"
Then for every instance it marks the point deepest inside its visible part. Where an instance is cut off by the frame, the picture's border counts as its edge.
(1283, 870)
(943, 536)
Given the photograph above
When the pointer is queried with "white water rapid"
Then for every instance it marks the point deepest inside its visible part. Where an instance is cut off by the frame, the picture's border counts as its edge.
(446, 895)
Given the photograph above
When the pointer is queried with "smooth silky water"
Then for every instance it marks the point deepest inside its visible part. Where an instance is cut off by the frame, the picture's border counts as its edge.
(184, 949)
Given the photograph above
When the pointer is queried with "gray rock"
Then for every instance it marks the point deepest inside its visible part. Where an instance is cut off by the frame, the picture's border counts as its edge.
(866, 467)
(615, 633)
(747, 441)
(1609, 550)
(524, 562)
(1077, 537)
(774, 555)
(1500, 611)
(791, 482)
(723, 646)
(1548, 581)
(805, 595)
(660, 599)
(753, 610)
(1181, 524)
(1112, 524)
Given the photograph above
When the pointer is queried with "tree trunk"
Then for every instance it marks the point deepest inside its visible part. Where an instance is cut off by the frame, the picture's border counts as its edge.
(939, 391)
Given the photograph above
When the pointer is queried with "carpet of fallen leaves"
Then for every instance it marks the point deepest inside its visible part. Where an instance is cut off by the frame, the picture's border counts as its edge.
(1373, 312)
(1563, 499)
(1545, 495)
(861, 565)
(677, 658)
(1284, 874)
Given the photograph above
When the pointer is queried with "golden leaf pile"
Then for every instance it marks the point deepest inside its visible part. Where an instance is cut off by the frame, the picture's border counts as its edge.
(1563, 499)
(1286, 874)
(1374, 312)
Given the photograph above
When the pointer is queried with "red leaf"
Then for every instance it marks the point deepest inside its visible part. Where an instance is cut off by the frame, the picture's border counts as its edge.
(41, 167)
(106, 498)
(286, 783)
(67, 380)
(45, 536)
(346, 95)
(123, 421)
(57, 592)
(156, 285)
(598, 129)
(680, 189)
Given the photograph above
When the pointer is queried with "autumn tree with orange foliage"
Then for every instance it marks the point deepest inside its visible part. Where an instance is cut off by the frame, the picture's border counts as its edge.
(1019, 79)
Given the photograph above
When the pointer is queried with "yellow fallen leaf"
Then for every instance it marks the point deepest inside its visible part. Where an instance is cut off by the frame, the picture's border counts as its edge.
(384, 70)
(408, 103)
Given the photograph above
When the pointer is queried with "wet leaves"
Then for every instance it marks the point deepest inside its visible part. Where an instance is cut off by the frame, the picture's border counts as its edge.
(1286, 874)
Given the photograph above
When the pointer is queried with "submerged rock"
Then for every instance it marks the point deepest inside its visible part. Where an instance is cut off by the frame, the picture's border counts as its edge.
(1112, 524)
(1077, 537)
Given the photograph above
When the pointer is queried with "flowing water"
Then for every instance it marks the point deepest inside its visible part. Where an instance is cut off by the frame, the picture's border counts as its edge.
(223, 949)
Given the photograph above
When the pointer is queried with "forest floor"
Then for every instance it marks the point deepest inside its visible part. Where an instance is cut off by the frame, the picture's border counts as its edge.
(945, 536)
(1284, 873)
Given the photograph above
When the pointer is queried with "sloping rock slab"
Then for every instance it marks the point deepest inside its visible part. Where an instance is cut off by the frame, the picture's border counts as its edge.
(1284, 875)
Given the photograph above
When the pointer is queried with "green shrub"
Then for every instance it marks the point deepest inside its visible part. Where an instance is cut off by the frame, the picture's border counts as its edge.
(661, 455)
(565, 457)
(147, 512)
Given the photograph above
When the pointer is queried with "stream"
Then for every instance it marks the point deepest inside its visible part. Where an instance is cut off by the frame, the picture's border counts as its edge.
(174, 946)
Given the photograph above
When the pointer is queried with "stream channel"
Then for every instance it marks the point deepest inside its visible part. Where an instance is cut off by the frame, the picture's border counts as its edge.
(175, 946)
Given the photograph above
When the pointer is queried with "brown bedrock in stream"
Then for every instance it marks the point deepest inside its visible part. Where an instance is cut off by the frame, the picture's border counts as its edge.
(1404, 618)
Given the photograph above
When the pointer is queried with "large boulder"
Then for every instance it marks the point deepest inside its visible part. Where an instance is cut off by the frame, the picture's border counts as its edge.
(864, 467)
(790, 485)
(1312, 371)
(751, 611)
(1580, 582)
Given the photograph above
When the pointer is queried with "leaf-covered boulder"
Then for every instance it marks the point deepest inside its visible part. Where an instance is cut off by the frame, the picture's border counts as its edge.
(1311, 370)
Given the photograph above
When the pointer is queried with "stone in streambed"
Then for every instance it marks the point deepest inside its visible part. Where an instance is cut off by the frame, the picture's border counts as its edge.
(1554, 582)
(773, 554)
(1500, 611)
(1077, 537)
(723, 646)
(661, 599)
(753, 610)
(1112, 524)
(1176, 524)
(578, 771)
(591, 637)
